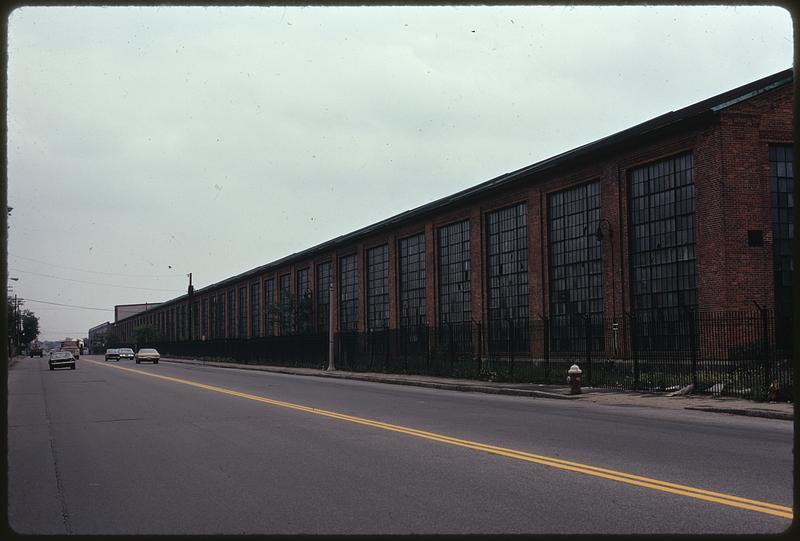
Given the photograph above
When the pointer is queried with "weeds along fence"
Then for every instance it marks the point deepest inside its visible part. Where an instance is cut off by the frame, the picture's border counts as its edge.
(746, 354)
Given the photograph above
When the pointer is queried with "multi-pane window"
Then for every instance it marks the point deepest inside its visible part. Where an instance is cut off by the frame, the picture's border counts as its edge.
(348, 293)
(411, 257)
(662, 248)
(269, 300)
(242, 312)
(220, 333)
(576, 269)
(303, 308)
(212, 311)
(454, 274)
(285, 315)
(781, 167)
(231, 313)
(378, 288)
(203, 319)
(662, 236)
(184, 323)
(255, 315)
(195, 321)
(507, 276)
(323, 296)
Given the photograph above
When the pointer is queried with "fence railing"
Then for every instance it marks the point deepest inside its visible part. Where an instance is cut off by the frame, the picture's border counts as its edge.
(746, 354)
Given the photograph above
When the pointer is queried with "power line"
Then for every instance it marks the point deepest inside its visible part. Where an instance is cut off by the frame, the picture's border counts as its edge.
(96, 283)
(70, 305)
(100, 272)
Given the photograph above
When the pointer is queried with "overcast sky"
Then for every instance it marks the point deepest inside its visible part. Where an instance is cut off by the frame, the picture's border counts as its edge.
(146, 143)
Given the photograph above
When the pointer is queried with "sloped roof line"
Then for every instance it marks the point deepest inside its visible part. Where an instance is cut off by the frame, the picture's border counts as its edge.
(713, 104)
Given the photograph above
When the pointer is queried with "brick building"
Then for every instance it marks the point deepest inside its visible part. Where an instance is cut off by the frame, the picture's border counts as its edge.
(690, 210)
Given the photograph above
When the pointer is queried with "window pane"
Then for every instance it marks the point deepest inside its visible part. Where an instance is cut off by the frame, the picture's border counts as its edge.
(662, 247)
(507, 275)
(412, 280)
(378, 288)
(348, 291)
(782, 183)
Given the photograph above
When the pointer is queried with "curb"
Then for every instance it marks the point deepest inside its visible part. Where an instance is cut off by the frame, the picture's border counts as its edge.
(389, 380)
(748, 412)
(465, 388)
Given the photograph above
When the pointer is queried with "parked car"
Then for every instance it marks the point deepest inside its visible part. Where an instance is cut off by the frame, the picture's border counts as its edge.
(147, 354)
(112, 354)
(125, 353)
(60, 359)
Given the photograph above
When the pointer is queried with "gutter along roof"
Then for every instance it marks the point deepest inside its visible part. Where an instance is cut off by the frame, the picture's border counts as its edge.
(705, 108)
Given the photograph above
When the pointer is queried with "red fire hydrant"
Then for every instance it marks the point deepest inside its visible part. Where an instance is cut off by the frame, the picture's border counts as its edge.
(574, 379)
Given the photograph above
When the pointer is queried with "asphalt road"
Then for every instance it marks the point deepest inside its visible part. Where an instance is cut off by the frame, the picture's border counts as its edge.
(110, 449)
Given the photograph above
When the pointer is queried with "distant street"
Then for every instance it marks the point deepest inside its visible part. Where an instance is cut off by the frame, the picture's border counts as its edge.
(109, 449)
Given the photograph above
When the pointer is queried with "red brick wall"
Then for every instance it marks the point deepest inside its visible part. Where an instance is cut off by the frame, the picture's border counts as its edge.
(732, 191)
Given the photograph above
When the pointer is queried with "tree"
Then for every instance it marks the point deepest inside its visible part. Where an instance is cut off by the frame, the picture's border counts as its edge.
(292, 315)
(111, 339)
(146, 334)
(23, 325)
(30, 327)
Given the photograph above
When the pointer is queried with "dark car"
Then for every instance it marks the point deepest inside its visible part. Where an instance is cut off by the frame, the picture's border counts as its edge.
(147, 354)
(61, 359)
(37, 350)
(125, 353)
(112, 354)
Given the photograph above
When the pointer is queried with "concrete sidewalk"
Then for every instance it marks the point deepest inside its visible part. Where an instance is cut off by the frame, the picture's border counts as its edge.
(717, 404)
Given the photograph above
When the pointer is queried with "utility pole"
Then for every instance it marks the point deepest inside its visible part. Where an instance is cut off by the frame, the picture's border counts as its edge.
(16, 323)
(331, 366)
(190, 330)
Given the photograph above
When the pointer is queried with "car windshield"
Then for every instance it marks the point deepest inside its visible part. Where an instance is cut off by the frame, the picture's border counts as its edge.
(147, 350)
(126, 350)
(61, 355)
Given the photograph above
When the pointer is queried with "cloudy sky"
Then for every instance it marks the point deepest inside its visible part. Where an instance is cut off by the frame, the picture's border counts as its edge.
(145, 143)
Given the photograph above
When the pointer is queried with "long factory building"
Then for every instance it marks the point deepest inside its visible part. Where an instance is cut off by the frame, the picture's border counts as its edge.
(693, 208)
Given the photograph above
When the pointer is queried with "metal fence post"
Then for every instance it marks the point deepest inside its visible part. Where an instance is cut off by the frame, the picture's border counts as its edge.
(546, 344)
(766, 346)
(588, 323)
(404, 339)
(479, 351)
(452, 353)
(693, 345)
(427, 346)
(634, 342)
(512, 323)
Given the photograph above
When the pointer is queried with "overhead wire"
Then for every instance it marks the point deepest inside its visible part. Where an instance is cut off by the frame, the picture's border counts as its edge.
(95, 283)
(175, 275)
(69, 305)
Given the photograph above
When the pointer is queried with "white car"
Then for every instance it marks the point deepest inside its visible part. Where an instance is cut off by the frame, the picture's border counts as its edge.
(147, 354)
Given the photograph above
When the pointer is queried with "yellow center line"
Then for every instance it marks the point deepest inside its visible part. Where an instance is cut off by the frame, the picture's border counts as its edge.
(664, 486)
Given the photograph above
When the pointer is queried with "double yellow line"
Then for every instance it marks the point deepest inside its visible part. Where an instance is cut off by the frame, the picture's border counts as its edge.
(647, 482)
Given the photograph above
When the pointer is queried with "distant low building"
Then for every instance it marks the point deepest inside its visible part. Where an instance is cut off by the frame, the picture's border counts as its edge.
(97, 337)
(122, 311)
